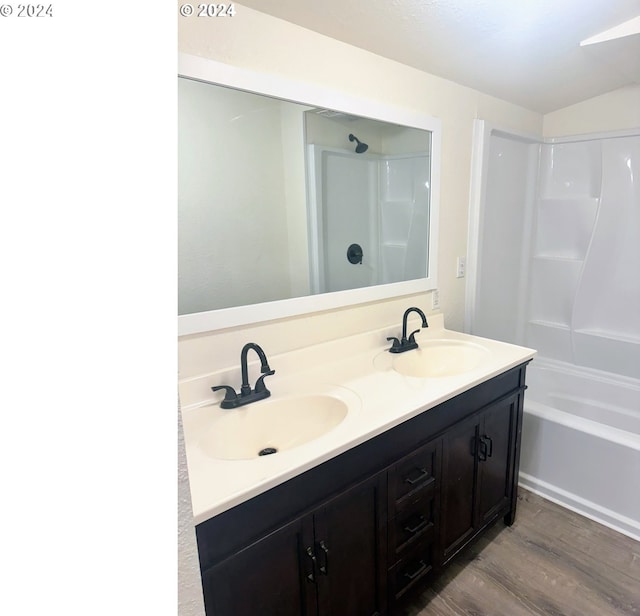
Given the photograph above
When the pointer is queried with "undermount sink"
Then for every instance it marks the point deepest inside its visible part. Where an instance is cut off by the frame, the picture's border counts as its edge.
(439, 358)
(274, 425)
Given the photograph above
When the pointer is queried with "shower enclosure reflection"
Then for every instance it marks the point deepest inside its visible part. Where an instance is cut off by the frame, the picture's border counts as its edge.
(380, 203)
(376, 197)
(257, 223)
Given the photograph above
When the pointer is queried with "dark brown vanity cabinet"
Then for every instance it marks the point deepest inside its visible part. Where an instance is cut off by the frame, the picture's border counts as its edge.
(356, 535)
(326, 562)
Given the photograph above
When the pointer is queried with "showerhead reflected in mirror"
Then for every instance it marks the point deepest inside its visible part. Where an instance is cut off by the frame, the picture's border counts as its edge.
(270, 191)
(361, 148)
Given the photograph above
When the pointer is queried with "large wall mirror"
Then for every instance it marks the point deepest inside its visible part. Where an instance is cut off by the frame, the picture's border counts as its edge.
(294, 199)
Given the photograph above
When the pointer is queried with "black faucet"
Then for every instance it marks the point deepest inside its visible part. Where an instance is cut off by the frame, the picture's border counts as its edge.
(400, 346)
(231, 399)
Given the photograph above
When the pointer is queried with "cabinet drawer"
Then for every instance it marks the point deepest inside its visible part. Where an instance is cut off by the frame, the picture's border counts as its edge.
(412, 524)
(415, 567)
(411, 474)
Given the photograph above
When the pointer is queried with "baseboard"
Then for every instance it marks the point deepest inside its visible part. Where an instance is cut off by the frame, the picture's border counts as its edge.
(589, 509)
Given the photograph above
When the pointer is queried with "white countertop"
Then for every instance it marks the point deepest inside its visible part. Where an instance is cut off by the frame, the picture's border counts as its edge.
(381, 399)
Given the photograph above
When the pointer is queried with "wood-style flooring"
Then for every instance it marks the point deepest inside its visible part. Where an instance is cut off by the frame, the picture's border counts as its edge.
(550, 562)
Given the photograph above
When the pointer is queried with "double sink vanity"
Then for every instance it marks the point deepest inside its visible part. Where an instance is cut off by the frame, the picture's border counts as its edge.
(359, 477)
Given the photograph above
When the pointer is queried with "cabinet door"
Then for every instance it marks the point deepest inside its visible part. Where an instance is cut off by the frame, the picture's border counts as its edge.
(477, 473)
(273, 577)
(350, 542)
(458, 486)
(495, 449)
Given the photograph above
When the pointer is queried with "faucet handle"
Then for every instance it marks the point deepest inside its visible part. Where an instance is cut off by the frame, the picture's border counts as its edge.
(412, 336)
(230, 393)
(396, 342)
(260, 386)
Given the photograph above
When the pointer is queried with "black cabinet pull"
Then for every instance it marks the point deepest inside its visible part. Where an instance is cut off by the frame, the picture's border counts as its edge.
(417, 572)
(418, 526)
(324, 568)
(486, 451)
(482, 450)
(416, 478)
(490, 445)
(312, 576)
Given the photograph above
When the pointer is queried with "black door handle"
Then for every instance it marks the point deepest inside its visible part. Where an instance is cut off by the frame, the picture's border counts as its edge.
(487, 438)
(311, 576)
(324, 568)
(482, 450)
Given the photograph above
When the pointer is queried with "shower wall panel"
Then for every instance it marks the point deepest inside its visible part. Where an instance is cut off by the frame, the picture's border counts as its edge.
(559, 249)
(404, 217)
(349, 185)
(584, 289)
(606, 315)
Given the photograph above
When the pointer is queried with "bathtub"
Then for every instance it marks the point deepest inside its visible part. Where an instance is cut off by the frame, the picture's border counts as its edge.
(581, 442)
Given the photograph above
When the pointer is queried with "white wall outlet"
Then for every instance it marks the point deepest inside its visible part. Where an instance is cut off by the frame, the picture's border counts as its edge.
(435, 299)
(461, 266)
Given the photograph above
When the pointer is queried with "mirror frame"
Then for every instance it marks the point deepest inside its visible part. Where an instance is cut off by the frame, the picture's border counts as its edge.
(217, 73)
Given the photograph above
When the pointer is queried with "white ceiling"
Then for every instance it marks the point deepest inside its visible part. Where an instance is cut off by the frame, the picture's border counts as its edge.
(524, 51)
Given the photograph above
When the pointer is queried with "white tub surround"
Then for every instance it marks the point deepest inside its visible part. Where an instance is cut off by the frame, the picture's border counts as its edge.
(566, 212)
(357, 368)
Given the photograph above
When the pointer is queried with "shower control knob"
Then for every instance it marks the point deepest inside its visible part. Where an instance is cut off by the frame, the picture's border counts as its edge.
(355, 254)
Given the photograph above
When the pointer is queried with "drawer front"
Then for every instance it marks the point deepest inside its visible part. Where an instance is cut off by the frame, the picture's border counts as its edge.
(417, 566)
(412, 524)
(412, 474)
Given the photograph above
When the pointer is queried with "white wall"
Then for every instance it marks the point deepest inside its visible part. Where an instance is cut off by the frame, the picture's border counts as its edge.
(190, 601)
(404, 141)
(617, 110)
